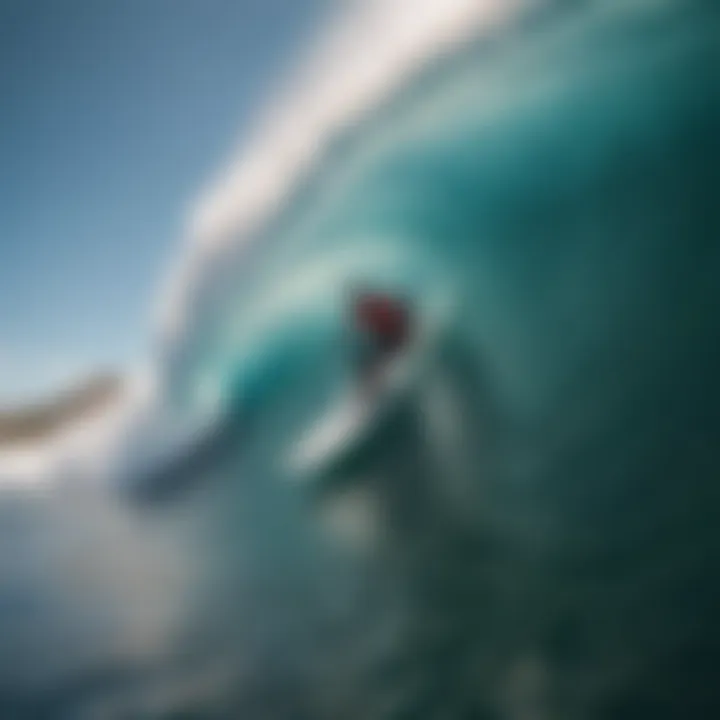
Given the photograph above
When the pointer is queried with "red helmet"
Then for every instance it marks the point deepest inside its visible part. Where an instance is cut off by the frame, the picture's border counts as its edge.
(382, 315)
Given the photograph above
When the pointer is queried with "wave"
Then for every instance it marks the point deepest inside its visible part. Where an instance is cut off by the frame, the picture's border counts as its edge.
(530, 182)
(339, 85)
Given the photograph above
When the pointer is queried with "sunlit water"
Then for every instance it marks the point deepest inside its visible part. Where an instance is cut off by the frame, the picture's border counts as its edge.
(522, 524)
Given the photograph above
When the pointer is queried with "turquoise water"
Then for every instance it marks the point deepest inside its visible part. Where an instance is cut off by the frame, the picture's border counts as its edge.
(528, 187)
(527, 528)
(540, 497)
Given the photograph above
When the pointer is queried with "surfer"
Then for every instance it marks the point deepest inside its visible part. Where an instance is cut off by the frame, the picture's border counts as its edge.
(384, 325)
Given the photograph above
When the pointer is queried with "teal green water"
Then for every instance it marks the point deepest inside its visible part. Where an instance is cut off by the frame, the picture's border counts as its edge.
(528, 529)
(548, 486)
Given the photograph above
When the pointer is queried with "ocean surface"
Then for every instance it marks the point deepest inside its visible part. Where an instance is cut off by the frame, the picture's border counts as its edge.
(522, 523)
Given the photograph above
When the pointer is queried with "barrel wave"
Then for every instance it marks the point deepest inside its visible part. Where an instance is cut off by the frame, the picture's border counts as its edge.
(521, 522)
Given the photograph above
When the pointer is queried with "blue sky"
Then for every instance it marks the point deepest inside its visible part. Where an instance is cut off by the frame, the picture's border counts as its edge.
(113, 116)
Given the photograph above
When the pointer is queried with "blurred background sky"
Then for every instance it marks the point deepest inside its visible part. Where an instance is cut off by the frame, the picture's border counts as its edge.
(113, 116)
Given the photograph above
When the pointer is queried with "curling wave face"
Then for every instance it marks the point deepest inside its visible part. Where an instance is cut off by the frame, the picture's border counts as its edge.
(522, 525)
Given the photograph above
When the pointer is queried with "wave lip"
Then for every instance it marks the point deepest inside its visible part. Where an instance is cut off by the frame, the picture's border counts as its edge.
(362, 58)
